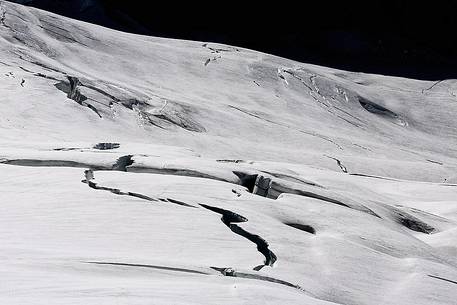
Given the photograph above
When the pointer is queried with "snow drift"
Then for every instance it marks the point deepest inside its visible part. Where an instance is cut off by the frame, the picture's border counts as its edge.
(334, 187)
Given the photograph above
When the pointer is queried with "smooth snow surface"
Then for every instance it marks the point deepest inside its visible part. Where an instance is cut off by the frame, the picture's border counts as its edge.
(362, 168)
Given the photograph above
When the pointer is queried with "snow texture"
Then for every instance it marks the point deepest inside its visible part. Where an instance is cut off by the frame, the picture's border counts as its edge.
(120, 153)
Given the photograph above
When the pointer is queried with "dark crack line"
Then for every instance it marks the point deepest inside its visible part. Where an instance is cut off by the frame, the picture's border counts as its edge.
(287, 126)
(72, 90)
(347, 121)
(230, 160)
(229, 218)
(19, 17)
(431, 87)
(414, 210)
(178, 115)
(121, 165)
(146, 116)
(253, 115)
(98, 102)
(102, 92)
(20, 40)
(345, 112)
(151, 266)
(343, 168)
(441, 278)
(279, 189)
(53, 25)
(232, 273)
(106, 146)
(3, 18)
(51, 163)
(372, 176)
(301, 227)
(174, 171)
(223, 271)
(382, 112)
(412, 222)
(292, 178)
(362, 147)
(320, 103)
(39, 64)
(436, 162)
(175, 121)
(212, 59)
(116, 191)
(300, 79)
(94, 109)
(311, 90)
(319, 136)
(218, 50)
(312, 78)
(178, 202)
(70, 39)
(46, 67)
(69, 148)
(238, 194)
(74, 93)
(283, 189)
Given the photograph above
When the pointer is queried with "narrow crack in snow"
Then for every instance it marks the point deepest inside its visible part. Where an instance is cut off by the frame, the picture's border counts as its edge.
(338, 162)
(233, 273)
(229, 218)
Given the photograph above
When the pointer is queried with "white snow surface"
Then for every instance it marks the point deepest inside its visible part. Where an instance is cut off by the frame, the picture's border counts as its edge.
(366, 166)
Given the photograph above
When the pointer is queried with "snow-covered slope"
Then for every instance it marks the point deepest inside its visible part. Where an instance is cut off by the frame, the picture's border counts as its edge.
(362, 205)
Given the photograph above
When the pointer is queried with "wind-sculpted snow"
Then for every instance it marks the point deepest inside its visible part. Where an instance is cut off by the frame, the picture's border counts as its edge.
(120, 155)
